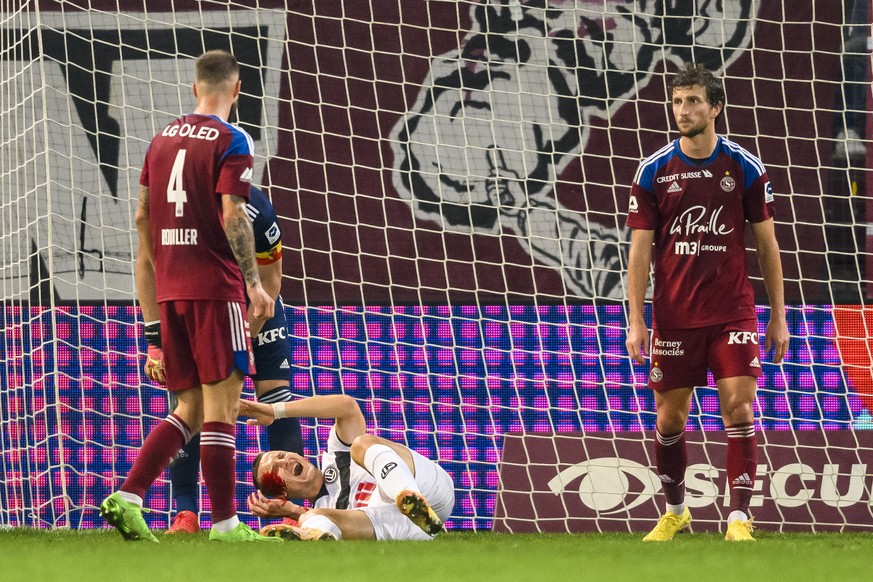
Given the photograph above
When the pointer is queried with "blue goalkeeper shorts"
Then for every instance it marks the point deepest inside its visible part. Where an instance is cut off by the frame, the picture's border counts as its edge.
(271, 349)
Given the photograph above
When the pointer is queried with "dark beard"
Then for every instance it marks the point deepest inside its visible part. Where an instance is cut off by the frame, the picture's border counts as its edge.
(693, 132)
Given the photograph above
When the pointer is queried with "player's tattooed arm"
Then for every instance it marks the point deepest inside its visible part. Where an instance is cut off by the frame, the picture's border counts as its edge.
(241, 237)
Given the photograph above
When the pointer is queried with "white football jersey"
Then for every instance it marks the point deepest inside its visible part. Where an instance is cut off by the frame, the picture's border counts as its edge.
(347, 485)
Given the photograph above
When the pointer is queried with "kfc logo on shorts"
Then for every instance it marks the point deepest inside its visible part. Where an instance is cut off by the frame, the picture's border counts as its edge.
(742, 337)
(656, 375)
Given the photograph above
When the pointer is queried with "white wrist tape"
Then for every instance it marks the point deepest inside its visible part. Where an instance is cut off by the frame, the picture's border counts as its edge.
(279, 410)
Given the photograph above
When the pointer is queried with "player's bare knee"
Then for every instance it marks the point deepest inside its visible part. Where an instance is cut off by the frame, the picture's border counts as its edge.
(671, 421)
(360, 445)
(737, 411)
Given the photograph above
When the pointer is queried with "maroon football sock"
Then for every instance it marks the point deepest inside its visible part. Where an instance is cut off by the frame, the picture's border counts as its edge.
(160, 447)
(671, 460)
(217, 451)
(742, 464)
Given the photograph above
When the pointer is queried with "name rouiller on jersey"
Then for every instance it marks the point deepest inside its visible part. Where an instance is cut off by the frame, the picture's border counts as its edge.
(178, 236)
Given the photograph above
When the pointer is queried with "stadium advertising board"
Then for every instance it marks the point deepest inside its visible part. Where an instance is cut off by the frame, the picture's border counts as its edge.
(603, 481)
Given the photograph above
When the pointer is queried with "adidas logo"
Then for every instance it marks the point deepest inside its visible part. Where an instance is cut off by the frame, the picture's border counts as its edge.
(743, 479)
(674, 187)
(246, 176)
(755, 363)
(666, 479)
(284, 365)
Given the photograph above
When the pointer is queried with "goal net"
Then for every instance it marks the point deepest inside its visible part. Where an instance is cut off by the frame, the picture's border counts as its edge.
(452, 181)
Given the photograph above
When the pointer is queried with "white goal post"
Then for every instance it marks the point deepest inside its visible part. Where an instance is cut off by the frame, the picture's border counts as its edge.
(452, 181)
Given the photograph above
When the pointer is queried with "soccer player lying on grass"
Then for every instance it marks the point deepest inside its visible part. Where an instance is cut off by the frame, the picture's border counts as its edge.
(367, 488)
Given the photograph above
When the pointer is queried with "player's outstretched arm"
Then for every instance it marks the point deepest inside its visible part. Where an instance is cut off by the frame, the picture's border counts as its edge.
(767, 249)
(350, 421)
(639, 261)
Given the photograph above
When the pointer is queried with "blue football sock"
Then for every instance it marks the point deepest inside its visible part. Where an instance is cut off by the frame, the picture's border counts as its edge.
(184, 471)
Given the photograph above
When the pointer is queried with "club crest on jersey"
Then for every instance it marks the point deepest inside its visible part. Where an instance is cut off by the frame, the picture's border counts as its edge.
(728, 184)
(656, 375)
(330, 475)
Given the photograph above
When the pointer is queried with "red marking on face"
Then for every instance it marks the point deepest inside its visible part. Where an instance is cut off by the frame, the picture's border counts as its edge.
(272, 484)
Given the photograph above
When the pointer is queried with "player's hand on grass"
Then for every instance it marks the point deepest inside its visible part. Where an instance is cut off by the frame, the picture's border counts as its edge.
(258, 413)
(154, 366)
(268, 507)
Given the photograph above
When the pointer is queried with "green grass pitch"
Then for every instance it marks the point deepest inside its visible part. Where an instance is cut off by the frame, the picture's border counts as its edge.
(96, 555)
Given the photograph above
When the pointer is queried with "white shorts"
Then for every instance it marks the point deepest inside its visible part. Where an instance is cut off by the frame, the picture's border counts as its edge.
(436, 486)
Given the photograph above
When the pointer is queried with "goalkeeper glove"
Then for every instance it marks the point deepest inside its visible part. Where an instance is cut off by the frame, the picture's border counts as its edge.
(154, 366)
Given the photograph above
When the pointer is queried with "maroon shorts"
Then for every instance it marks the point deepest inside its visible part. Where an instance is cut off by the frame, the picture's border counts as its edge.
(681, 357)
(204, 341)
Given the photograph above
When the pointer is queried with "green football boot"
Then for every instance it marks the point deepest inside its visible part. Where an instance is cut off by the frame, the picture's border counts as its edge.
(241, 533)
(127, 518)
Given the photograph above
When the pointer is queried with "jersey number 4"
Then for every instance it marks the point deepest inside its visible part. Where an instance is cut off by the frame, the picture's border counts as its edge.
(175, 189)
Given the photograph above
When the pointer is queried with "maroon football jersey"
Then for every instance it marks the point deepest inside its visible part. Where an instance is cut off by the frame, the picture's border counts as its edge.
(187, 168)
(698, 210)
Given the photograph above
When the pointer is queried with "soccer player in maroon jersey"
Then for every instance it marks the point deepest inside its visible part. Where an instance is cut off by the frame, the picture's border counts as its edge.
(688, 207)
(196, 259)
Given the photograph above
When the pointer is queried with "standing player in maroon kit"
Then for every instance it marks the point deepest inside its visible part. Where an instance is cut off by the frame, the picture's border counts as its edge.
(688, 206)
(196, 258)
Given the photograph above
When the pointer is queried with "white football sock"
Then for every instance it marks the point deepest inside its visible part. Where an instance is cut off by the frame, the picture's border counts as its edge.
(226, 525)
(390, 471)
(737, 516)
(321, 522)
(131, 497)
(676, 509)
